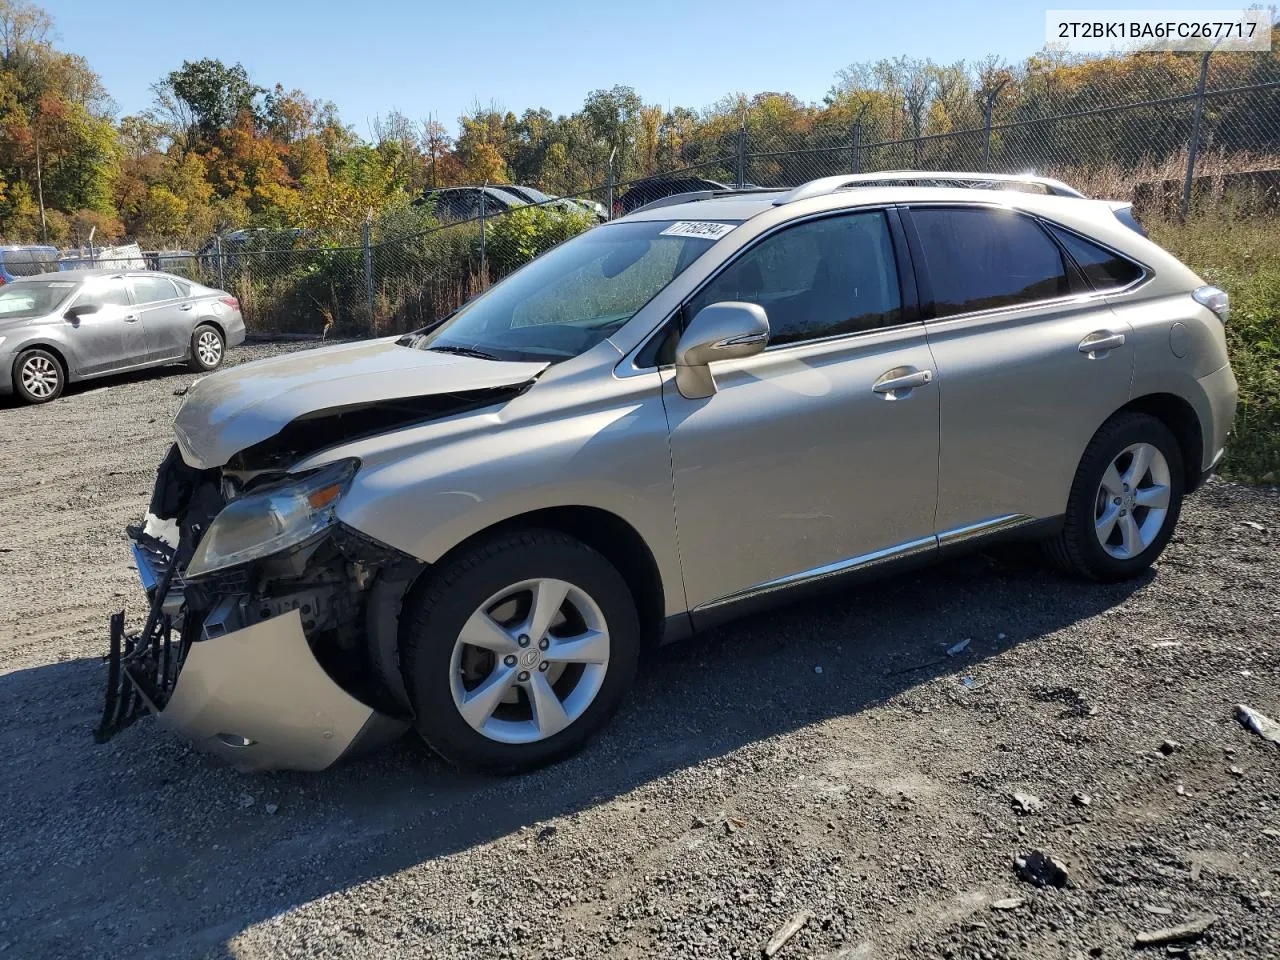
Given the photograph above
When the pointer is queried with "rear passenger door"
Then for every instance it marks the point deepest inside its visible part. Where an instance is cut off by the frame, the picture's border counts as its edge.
(166, 316)
(1030, 363)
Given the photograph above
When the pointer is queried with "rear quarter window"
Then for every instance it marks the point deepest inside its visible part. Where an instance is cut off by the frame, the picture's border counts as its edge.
(1103, 269)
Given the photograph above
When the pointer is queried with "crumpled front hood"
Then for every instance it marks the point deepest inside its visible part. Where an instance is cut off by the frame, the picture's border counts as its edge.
(233, 409)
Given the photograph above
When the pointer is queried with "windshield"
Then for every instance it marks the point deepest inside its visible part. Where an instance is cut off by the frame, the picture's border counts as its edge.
(575, 295)
(32, 298)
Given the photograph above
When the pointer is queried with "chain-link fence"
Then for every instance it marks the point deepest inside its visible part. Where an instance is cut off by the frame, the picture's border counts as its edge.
(1175, 146)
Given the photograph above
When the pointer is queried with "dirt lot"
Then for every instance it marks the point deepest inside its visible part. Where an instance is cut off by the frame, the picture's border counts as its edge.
(830, 759)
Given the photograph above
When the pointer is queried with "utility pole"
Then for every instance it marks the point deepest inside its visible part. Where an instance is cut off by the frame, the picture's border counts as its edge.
(44, 227)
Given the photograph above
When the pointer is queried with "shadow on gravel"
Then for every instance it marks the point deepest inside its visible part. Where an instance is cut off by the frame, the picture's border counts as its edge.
(143, 848)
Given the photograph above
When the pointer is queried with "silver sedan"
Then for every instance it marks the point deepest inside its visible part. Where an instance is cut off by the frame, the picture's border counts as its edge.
(57, 328)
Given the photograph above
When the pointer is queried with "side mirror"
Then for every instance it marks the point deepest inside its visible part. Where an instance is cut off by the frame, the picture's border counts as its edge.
(721, 331)
(79, 310)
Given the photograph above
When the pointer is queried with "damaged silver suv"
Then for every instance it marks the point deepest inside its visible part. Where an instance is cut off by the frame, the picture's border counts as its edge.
(673, 419)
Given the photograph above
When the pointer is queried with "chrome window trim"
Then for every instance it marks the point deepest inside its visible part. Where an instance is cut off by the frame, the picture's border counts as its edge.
(627, 367)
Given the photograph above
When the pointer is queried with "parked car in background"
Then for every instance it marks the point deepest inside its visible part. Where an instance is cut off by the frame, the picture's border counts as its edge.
(566, 204)
(57, 328)
(17, 262)
(668, 421)
(655, 188)
(464, 203)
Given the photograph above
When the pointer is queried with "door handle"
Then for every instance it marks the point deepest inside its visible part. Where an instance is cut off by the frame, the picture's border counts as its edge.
(890, 386)
(130, 318)
(1097, 344)
(184, 306)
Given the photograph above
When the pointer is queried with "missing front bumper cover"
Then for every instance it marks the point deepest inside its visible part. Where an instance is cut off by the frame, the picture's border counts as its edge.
(252, 693)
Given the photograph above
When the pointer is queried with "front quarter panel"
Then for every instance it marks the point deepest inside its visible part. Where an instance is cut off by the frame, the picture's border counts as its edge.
(587, 439)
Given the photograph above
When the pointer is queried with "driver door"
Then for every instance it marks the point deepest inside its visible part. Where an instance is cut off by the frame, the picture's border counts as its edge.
(805, 463)
(111, 337)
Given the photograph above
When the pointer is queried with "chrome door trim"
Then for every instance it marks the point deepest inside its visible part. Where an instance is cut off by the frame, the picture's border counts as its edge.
(862, 561)
(982, 528)
(865, 561)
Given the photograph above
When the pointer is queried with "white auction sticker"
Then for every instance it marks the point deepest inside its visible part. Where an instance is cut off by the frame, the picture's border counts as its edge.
(706, 229)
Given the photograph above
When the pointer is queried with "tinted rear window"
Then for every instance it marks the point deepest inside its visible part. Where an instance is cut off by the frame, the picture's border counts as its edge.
(982, 259)
(1105, 270)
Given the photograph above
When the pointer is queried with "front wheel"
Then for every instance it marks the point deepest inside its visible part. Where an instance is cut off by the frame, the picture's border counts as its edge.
(518, 650)
(1125, 500)
(207, 347)
(38, 376)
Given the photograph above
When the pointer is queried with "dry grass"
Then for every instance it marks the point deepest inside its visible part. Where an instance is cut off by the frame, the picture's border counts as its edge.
(1243, 257)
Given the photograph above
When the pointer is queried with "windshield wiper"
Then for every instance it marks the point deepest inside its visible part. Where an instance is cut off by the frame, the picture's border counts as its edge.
(462, 351)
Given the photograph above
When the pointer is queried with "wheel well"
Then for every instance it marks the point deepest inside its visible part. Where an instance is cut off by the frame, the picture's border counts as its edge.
(1179, 416)
(47, 348)
(615, 539)
(208, 322)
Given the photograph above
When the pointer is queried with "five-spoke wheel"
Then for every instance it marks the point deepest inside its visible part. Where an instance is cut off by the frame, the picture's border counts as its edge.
(1124, 502)
(517, 649)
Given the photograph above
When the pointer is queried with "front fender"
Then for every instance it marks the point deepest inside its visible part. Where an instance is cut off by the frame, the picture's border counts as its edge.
(426, 496)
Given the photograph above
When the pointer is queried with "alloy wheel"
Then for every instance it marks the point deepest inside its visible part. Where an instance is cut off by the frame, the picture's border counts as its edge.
(209, 348)
(40, 377)
(529, 661)
(1132, 501)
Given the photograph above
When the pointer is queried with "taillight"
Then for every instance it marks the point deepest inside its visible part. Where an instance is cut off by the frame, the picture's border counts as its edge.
(231, 302)
(1215, 298)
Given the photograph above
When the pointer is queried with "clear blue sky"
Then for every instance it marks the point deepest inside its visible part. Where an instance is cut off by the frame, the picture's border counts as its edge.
(438, 58)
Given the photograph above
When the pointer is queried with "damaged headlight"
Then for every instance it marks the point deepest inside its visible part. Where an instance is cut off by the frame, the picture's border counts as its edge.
(274, 519)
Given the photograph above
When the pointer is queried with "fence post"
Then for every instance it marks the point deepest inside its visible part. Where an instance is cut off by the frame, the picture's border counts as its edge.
(217, 246)
(368, 270)
(742, 154)
(484, 268)
(609, 181)
(988, 109)
(1194, 146)
(855, 162)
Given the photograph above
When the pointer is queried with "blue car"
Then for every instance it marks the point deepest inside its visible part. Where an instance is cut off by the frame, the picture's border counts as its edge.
(18, 262)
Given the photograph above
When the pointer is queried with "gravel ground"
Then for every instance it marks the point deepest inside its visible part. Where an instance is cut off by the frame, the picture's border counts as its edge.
(828, 761)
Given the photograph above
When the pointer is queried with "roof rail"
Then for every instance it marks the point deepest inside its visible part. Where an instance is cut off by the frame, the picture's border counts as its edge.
(828, 185)
(693, 196)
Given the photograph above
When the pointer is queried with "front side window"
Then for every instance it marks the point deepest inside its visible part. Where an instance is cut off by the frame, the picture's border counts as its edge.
(109, 292)
(573, 296)
(1105, 270)
(152, 289)
(33, 298)
(982, 259)
(821, 278)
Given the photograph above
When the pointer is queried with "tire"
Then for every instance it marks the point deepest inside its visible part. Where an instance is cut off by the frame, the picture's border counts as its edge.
(493, 586)
(1095, 507)
(208, 347)
(38, 376)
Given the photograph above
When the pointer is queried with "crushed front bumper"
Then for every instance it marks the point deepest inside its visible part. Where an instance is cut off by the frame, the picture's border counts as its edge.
(251, 693)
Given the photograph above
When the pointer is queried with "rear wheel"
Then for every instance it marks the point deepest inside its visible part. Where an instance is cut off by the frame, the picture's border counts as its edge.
(38, 376)
(518, 650)
(207, 347)
(1125, 500)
